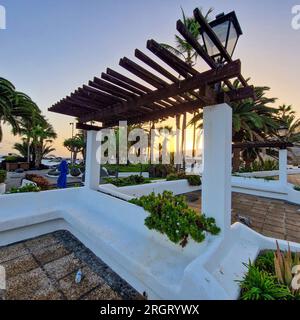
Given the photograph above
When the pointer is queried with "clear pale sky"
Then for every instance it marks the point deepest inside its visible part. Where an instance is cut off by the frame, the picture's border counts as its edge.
(51, 47)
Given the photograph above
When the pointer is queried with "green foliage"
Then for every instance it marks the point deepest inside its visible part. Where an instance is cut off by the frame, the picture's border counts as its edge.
(3, 175)
(11, 159)
(261, 285)
(171, 215)
(176, 176)
(161, 170)
(297, 188)
(112, 168)
(194, 180)
(269, 278)
(27, 188)
(128, 181)
(265, 262)
(257, 166)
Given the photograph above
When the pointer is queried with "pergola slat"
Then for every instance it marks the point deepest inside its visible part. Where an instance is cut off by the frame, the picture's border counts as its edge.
(181, 28)
(230, 70)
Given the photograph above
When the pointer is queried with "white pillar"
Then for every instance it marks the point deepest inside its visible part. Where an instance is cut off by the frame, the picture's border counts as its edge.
(216, 179)
(92, 166)
(283, 156)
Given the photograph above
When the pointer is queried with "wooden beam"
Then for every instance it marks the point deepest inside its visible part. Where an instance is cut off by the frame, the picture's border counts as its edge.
(209, 77)
(127, 80)
(263, 144)
(241, 93)
(154, 65)
(87, 127)
(170, 59)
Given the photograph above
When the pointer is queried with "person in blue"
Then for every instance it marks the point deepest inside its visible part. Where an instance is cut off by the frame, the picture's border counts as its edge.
(63, 168)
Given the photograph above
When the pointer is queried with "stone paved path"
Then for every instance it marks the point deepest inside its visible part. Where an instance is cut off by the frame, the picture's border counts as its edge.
(44, 268)
(273, 218)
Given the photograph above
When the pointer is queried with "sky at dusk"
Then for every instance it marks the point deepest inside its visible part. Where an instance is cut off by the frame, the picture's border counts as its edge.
(51, 47)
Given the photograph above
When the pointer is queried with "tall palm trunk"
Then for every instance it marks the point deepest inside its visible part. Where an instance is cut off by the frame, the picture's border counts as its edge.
(177, 140)
(183, 142)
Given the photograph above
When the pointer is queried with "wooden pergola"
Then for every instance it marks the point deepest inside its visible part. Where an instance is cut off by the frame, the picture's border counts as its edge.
(174, 88)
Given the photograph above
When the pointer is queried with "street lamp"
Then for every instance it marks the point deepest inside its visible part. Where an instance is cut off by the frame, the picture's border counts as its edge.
(282, 131)
(228, 30)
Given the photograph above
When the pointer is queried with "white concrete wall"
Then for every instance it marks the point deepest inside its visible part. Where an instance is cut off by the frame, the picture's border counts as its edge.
(216, 178)
(130, 192)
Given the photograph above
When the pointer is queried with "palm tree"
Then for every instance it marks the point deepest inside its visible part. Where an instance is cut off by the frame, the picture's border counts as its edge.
(252, 120)
(7, 99)
(23, 148)
(42, 134)
(287, 118)
(189, 54)
(75, 145)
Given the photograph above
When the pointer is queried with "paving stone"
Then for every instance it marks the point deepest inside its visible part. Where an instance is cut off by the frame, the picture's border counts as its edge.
(41, 242)
(50, 253)
(61, 267)
(19, 265)
(33, 285)
(74, 291)
(12, 252)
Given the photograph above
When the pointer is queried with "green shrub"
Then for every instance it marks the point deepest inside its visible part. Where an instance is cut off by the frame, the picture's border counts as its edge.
(176, 176)
(297, 188)
(161, 170)
(261, 285)
(27, 188)
(75, 172)
(129, 181)
(194, 180)
(171, 215)
(265, 262)
(256, 166)
(3, 175)
(11, 159)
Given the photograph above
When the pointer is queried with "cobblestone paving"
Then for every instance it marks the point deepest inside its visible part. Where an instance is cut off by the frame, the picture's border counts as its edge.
(44, 268)
(273, 218)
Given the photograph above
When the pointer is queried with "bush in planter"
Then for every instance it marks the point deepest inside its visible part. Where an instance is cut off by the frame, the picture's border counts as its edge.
(41, 182)
(129, 181)
(270, 277)
(194, 180)
(297, 188)
(161, 170)
(176, 176)
(27, 188)
(75, 172)
(3, 175)
(171, 215)
(261, 285)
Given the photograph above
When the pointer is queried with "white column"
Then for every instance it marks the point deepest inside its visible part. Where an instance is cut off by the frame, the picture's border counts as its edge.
(92, 166)
(216, 179)
(283, 156)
